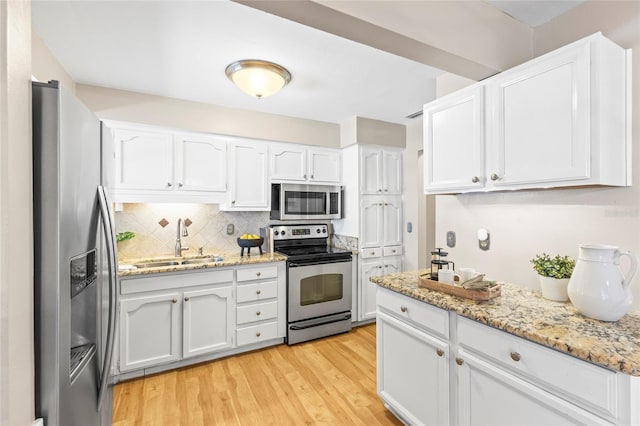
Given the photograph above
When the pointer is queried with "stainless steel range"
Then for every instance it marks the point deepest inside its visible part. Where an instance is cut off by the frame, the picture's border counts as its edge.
(318, 282)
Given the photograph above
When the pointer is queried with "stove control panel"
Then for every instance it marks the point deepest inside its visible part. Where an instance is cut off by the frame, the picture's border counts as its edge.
(299, 232)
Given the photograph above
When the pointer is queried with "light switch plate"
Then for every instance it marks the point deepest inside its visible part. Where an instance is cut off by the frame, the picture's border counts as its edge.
(451, 239)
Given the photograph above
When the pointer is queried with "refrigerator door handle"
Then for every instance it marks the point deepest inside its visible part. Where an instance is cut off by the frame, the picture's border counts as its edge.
(109, 234)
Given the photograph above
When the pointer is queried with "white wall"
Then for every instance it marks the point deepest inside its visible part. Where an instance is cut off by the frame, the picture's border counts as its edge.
(524, 223)
(45, 66)
(16, 231)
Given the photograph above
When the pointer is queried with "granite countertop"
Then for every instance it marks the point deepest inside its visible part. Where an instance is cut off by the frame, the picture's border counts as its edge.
(525, 313)
(229, 259)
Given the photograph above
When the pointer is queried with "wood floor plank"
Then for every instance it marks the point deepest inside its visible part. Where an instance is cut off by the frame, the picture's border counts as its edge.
(329, 381)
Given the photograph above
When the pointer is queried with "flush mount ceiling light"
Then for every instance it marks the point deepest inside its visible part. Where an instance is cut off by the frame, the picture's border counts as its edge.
(258, 78)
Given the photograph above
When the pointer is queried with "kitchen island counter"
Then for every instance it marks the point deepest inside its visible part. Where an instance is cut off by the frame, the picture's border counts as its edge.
(525, 313)
(228, 259)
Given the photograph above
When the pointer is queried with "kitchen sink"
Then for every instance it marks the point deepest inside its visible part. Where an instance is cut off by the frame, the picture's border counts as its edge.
(203, 260)
(162, 263)
(157, 264)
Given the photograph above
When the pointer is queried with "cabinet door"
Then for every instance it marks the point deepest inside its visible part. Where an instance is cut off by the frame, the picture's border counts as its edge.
(149, 330)
(248, 177)
(201, 164)
(288, 162)
(367, 291)
(392, 221)
(207, 324)
(392, 172)
(542, 118)
(371, 219)
(391, 264)
(370, 170)
(483, 388)
(454, 138)
(325, 165)
(143, 160)
(413, 372)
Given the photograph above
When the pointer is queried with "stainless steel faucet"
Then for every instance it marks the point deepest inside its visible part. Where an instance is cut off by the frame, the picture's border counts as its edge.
(180, 233)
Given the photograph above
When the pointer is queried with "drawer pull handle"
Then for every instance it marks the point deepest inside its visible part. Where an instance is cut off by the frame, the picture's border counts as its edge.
(515, 356)
(258, 274)
(459, 361)
(494, 176)
(258, 313)
(257, 291)
(440, 352)
(174, 301)
(258, 334)
(404, 308)
(186, 299)
(475, 179)
(169, 184)
(180, 184)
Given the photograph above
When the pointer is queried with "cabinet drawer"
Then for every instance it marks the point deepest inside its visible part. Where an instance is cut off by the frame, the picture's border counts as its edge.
(563, 374)
(368, 253)
(423, 315)
(392, 251)
(257, 312)
(257, 273)
(257, 291)
(257, 333)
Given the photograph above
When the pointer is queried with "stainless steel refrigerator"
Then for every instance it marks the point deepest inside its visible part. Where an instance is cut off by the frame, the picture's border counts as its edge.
(75, 263)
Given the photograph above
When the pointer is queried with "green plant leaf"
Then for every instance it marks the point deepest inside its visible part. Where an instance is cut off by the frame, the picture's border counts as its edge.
(124, 236)
(554, 267)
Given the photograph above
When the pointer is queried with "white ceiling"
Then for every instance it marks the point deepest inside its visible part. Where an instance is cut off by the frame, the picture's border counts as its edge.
(180, 49)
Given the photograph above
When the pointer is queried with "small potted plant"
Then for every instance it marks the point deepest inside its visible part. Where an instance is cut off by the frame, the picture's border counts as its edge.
(554, 273)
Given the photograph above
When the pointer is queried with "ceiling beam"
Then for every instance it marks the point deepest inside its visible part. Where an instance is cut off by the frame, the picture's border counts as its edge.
(323, 18)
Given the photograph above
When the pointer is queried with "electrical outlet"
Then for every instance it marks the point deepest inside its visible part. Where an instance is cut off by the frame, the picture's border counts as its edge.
(230, 229)
(484, 239)
(451, 239)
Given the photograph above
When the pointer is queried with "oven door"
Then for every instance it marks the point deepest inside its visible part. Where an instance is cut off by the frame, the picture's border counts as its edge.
(318, 288)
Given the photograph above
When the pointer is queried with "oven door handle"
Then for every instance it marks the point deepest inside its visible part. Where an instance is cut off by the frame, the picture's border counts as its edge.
(316, 262)
(316, 324)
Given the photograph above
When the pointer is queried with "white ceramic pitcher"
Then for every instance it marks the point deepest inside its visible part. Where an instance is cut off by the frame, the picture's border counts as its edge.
(597, 287)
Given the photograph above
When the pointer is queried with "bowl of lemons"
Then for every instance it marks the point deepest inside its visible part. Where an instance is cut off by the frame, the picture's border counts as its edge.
(250, 240)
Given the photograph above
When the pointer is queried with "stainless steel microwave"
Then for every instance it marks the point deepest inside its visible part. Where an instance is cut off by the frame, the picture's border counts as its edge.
(300, 202)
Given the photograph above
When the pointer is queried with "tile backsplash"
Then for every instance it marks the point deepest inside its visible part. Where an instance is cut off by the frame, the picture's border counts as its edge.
(208, 228)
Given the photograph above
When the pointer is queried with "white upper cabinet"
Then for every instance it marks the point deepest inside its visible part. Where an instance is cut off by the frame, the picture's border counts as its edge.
(166, 167)
(296, 163)
(248, 176)
(381, 221)
(380, 171)
(558, 120)
(201, 163)
(144, 160)
(454, 141)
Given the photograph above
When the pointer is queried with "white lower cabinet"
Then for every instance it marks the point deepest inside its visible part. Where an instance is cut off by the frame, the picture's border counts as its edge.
(207, 321)
(426, 354)
(149, 330)
(413, 372)
(260, 313)
(375, 262)
(174, 319)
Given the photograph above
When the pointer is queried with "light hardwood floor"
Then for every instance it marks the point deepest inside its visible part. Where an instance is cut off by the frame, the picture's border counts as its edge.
(330, 381)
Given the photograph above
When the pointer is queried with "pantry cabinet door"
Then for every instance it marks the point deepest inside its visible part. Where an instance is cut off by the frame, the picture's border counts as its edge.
(391, 172)
(541, 118)
(371, 222)
(143, 160)
(367, 290)
(392, 221)
(207, 321)
(454, 142)
(201, 163)
(370, 170)
(149, 331)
